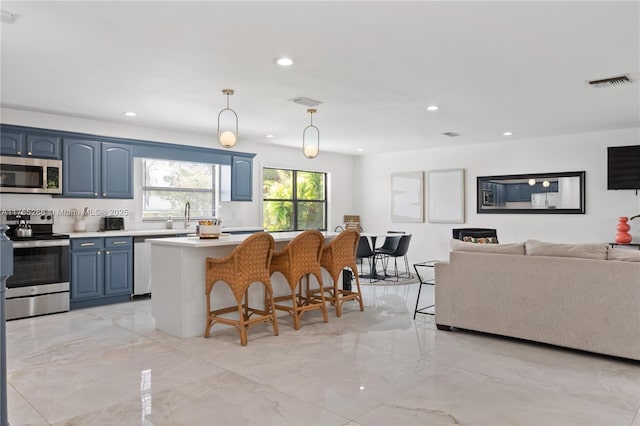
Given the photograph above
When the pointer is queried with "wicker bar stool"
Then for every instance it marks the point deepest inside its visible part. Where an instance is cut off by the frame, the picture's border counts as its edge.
(337, 255)
(248, 263)
(299, 259)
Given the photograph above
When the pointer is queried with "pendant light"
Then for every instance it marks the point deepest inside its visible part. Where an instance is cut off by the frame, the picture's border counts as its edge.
(228, 136)
(311, 138)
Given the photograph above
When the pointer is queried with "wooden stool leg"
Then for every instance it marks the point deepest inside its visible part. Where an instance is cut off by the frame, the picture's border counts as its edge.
(243, 327)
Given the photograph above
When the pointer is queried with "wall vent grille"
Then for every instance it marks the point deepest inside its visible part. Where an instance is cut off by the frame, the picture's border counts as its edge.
(611, 81)
(301, 100)
(451, 134)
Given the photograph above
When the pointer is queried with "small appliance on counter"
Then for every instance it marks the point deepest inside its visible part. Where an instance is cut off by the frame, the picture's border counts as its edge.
(112, 223)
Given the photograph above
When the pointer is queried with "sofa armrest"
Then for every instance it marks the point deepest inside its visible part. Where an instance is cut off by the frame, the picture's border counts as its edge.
(443, 297)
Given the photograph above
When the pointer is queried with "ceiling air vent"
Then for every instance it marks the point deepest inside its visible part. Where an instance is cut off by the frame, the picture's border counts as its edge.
(305, 101)
(451, 134)
(611, 81)
(8, 17)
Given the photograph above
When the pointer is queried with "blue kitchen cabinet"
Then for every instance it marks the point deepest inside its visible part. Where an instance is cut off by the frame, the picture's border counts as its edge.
(118, 266)
(12, 143)
(94, 169)
(101, 271)
(513, 193)
(87, 278)
(36, 145)
(44, 146)
(241, 178)
(117, 170)
(80, 166)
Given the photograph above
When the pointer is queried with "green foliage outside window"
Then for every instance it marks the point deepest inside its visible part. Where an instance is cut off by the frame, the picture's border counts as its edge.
(285, 212)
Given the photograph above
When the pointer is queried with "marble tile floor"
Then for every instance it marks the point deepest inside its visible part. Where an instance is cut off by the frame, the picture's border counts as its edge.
(109, 366)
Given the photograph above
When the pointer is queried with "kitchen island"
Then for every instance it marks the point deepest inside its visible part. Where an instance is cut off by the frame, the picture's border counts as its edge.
(178, 277)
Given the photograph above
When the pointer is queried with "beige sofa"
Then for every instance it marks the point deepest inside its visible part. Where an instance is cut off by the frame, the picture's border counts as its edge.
(535, 291)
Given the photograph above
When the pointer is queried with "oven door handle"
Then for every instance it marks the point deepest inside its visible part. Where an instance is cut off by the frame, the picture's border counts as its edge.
(40, 243)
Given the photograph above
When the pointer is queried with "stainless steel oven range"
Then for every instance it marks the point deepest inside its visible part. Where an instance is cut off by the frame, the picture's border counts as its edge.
(40, 281)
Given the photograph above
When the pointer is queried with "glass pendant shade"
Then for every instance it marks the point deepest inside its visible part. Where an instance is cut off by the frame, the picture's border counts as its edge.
(311, 138)
(228, 131)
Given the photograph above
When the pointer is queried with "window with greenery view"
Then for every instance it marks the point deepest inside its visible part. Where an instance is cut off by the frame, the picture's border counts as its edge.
(294, 200)
(168, 185)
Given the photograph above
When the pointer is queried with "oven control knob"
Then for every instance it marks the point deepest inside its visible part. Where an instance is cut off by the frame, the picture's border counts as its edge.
(42, 217)
(48, 217)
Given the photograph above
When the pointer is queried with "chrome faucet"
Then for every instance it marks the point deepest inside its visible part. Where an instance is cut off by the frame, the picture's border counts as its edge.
(187, 212)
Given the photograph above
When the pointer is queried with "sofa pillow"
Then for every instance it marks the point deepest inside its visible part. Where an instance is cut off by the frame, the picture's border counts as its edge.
(457, 245)
(582, 251)
(480, 240)
(627, 255)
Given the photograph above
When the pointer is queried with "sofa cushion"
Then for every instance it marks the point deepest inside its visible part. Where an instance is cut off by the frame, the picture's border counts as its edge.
(583, 251)
(457, 245)
(480, 240)
(627, 255)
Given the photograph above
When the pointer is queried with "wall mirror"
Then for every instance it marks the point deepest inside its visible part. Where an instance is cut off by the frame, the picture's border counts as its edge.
(554, 193)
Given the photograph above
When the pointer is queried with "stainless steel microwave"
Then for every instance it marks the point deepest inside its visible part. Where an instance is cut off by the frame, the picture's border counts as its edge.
(30, 175)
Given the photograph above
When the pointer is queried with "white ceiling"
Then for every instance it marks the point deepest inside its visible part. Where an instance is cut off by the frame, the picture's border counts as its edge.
(376, 66)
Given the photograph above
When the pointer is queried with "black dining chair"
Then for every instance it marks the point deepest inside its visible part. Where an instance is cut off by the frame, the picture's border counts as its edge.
(401, 251)
(363, 251)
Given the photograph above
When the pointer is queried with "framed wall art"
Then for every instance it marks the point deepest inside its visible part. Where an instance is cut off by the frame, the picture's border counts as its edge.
(445, 196)
(407, 199)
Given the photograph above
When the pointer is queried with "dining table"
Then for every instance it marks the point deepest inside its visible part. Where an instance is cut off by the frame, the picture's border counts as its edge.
(373, 237)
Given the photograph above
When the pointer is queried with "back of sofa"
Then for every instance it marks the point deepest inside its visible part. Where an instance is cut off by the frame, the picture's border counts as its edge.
(586, 304)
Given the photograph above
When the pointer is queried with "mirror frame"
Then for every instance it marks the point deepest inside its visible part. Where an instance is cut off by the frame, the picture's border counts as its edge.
(479, 193)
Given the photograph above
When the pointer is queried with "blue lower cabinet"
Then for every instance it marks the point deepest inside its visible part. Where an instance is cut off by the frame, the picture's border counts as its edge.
(101, 271)
(118, 271)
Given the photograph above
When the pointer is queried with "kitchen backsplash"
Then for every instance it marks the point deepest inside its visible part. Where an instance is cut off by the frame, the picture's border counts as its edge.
(131, 210)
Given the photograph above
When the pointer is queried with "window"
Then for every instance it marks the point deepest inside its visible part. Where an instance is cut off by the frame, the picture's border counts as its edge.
(168, 185)
(294, 200)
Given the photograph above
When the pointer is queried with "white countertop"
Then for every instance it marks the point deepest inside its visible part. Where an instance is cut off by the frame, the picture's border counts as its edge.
(162, 231)
(227, 240)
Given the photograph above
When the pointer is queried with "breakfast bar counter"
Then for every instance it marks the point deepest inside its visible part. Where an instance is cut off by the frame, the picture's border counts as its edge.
(178, 277)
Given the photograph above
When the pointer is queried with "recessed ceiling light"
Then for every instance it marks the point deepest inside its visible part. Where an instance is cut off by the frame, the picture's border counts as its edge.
(360, 149)
(284, 62)
(433, 108)
(270, 136)
(507, 133)
(130, 114)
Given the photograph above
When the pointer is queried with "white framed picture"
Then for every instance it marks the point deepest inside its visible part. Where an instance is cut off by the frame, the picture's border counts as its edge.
(407, 199)
(445, 196)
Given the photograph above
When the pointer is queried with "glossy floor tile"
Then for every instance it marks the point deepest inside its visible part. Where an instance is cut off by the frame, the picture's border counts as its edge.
(110, 366)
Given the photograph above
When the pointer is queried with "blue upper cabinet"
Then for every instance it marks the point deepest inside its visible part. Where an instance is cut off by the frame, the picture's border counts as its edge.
(241, 178)
(117, 170)
(80, 168)
(44, 146)
(94, 169)
(12, 143)
(36, 145)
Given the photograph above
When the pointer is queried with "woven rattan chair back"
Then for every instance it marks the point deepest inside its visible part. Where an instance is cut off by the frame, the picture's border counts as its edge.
(299, 259)
(247, 264)
(340, 253)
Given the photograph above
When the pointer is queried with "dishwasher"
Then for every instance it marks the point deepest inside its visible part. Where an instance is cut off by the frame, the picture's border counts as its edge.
(142, 263)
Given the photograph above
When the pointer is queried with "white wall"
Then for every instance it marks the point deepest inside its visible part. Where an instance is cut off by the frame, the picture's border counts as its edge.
(586, 152)
(340, 167)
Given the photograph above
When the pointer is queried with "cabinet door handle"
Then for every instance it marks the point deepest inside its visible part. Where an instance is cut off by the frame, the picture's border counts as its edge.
(87, 244)
(29, 153)
(104, 194)
(95, 194)
(119, 242)
(98, 251)
(19, 153)
(107, 251)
